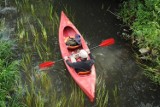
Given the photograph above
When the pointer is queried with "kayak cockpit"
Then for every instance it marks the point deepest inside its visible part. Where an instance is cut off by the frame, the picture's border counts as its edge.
(71, 38)
(68, 31)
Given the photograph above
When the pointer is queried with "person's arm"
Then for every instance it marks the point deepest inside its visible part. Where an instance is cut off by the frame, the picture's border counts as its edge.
(72, 64)
(69, 63)
(91, 57)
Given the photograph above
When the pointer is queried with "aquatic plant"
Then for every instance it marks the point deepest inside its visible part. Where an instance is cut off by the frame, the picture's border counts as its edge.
(68, 11)
(102, 94)
(116, 98)
(142, 17)
(39, 89)
(2, 26)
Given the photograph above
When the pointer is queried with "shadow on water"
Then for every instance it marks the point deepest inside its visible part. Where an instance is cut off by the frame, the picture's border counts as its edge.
(123, 78)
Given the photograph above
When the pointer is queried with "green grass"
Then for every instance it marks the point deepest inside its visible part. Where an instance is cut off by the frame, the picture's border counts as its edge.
(9, 72)
(143, 19)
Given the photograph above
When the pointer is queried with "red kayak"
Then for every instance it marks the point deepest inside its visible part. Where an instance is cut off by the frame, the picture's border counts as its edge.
(85, 81)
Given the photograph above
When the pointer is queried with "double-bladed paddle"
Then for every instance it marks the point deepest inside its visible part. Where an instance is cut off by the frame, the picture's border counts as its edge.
(104, 43)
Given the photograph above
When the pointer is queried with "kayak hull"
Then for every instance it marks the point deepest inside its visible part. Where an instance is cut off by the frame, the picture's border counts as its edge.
(85, 82)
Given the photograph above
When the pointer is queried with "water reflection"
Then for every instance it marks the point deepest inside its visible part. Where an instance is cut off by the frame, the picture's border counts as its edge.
(117, 67)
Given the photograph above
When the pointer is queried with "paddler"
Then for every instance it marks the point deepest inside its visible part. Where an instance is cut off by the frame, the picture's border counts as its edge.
(81, 66)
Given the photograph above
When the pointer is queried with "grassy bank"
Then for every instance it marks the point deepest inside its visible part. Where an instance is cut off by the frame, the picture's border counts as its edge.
(9, 72)
(143, 19)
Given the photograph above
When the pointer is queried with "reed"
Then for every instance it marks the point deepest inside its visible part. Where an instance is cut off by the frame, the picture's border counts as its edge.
(46, 82)
(28, 98)
(61, 102)
(39, 88)
(39, 101)
(25, 62)
(115, 95)
(51, 12)
(68, 11)
(76, 98)
(2, 25)
(44, 33)
(56, 22)
(33, 10)
(39, 52)
(102, 95)
(35, 95)
(35, 34)
(21, 34)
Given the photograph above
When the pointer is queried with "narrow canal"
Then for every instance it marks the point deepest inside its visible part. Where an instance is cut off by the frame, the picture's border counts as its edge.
(96, 20)
(116, 65)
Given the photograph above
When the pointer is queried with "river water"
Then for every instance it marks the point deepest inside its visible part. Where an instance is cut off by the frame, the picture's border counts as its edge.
(116, 63)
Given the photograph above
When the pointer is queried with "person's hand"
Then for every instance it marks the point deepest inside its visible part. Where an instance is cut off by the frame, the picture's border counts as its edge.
(87, 50)
(77, 56)
(66, 58)
(78, 50)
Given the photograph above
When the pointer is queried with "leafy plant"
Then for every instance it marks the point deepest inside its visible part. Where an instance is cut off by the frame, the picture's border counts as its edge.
(9, 73)
(143, 19)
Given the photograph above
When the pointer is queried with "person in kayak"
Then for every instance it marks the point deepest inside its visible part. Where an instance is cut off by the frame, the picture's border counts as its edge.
(81, 66)
(74, 41)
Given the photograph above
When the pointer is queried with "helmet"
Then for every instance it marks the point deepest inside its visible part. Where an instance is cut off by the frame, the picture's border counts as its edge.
(83, 54)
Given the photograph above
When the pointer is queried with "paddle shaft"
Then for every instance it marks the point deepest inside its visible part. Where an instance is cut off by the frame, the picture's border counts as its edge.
(59, 60)
(94, 47)
(77, 53)
(104, 43)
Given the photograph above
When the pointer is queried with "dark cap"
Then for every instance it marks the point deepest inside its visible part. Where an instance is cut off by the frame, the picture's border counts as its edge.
(78, 39)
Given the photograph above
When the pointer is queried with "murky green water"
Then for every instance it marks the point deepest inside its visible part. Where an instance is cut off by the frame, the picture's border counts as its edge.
(114, 63)
(123, 78)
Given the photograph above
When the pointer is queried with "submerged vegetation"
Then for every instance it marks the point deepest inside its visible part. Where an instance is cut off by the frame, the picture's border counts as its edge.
(143, 19)
(36, 35)
(37, 30)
